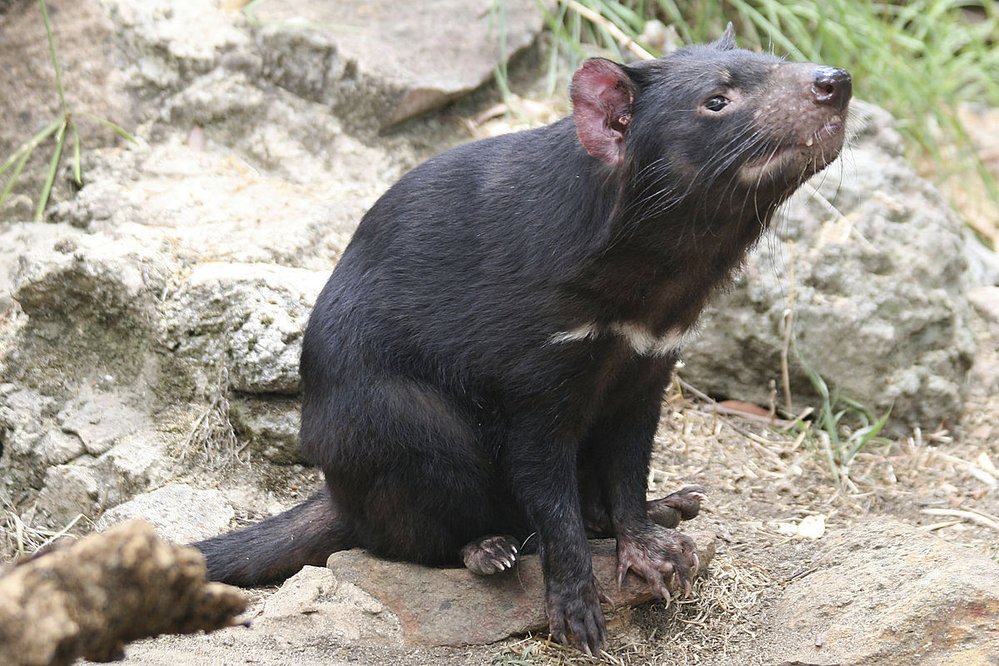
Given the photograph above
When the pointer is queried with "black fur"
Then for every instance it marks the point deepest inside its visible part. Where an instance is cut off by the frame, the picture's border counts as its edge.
(440, 400)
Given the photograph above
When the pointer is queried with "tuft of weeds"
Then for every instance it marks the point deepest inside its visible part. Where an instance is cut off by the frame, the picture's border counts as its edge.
(212, 436)
(21, 539)
(522, 653)
(840, 430)
(920, 59)
(63, 128)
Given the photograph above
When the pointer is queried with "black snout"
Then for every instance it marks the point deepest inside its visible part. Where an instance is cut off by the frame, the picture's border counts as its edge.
(832, 86)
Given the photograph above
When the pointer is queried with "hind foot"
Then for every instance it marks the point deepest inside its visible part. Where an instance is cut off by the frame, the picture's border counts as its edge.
(490, 554)
(684, 504)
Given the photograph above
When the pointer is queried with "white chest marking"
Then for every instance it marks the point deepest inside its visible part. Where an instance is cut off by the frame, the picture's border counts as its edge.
(637, 336)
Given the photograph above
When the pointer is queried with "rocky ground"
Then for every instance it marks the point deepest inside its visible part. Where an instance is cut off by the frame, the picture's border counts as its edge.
(150, 331)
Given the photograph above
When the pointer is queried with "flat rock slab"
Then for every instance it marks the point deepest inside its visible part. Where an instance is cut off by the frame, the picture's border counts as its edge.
(438, 607)
(177, 512)
(886, 593)
(387, 61)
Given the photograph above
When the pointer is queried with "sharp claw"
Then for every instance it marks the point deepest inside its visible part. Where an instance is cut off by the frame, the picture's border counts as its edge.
(622, 572)
(664, 594)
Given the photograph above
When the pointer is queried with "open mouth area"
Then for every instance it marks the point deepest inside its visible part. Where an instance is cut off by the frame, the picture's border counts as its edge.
(797, 157)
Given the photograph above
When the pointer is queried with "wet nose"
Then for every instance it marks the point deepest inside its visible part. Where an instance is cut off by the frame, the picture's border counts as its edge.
(832, 86)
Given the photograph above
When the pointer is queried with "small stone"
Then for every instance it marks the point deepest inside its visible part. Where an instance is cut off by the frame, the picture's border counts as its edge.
(812, 527)
(270, 425)
(986, 303)
(134, 465)
(57, 447)
(316, 602)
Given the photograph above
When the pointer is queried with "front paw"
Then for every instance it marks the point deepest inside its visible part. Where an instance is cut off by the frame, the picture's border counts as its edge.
(665, 558)
(574, 616)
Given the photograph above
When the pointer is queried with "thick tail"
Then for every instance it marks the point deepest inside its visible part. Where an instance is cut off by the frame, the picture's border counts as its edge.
(279, 546)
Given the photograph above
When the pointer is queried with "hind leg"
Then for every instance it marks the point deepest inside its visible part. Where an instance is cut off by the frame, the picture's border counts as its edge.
(684, 504)
(411, 474)
(667, 511)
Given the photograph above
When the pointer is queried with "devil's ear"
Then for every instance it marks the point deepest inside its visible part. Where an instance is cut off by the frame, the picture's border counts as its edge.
(727, 41)
(602, 97)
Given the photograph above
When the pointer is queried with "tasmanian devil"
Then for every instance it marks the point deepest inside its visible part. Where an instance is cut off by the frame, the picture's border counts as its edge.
(488, 359)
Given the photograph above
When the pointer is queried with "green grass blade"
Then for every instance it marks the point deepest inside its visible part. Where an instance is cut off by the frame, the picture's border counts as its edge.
(13, 177)
(865, 436)
(31, 144)
(827, 450)
(250, 7)
(43, 199)
(110, 125)
(77, 171)
(770, 29)
(52, 53)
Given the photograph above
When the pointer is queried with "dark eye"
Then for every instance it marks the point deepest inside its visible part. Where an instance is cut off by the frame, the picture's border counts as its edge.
(716, 103)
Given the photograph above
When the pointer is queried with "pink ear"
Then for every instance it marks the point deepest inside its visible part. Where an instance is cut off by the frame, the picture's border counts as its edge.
(602, 95)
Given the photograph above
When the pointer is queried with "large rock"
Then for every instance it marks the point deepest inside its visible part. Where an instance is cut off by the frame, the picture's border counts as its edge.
(69, 491)
(177, 511)
(871, 262)
(169, 41)
(382, 62)
(87, 306)
(88, 485)
(248, 319)
(885, 593)
(76, 359)
(457, 607)
(201, 205)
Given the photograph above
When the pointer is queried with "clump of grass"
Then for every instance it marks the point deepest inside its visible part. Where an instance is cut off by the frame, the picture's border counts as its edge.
(522, 653)
(840, 430)
(212, 436)
(63, 128)
(21, 539)
(919, 59)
